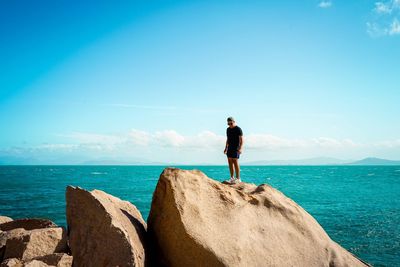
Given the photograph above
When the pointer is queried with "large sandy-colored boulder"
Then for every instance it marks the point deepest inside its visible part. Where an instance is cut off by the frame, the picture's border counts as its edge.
(27, 224)
(197, 221)
(104, 230)
(28, 244)
(4, 219)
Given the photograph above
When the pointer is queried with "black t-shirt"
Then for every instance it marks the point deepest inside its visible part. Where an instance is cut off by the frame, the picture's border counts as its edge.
(233, 137)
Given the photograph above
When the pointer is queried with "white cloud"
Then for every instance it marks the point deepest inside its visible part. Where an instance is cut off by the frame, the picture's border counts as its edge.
(267, 141)
(205, 139)
(374, 30)
(394, 27)
(385, 19)
(325, 4)
(57, 147)
(388, 144)
(387, 7)
(205, 146)
(328, 142)
(168, 138)
(138, 137)
(382, 8)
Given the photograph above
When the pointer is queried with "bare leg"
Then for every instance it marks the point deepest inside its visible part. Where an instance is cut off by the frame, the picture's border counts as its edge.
(230, 162)
(237, 168)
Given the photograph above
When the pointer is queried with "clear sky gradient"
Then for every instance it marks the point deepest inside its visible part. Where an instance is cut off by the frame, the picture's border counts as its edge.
(156, 80)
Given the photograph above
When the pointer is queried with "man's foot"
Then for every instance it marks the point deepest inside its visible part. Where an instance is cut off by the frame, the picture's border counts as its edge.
(231, 180)
(237, 180)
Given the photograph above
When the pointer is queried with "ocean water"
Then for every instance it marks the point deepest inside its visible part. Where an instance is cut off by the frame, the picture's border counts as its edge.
(358, 206)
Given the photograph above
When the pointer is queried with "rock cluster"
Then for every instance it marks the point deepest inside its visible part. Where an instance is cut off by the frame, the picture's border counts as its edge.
(33, 242)
(193, 221)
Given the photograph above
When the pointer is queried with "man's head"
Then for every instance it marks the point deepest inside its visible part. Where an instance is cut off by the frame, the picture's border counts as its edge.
(231, 122)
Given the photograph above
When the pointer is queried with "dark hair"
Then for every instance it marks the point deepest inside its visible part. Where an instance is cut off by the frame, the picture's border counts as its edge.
(230, 119)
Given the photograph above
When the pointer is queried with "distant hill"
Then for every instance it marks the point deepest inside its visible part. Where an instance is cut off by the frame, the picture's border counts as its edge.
(375, 161)
(310, 161)
(325, 161)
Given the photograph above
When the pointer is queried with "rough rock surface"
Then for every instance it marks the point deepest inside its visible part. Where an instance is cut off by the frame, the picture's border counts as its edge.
(56, 259)
(35, 263)
(4, 236)
(197, 221)
(27, 224)
(4, 219)
(28, 244)
(13, 262)
(104, 230)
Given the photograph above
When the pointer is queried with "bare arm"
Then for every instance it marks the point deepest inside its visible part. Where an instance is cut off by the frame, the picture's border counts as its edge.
(226, 146)
(240, 143)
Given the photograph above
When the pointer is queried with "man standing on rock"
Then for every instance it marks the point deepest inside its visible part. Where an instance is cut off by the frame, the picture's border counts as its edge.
(233, 149)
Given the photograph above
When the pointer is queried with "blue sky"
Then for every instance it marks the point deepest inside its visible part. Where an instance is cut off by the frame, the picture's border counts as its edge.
(155, 80)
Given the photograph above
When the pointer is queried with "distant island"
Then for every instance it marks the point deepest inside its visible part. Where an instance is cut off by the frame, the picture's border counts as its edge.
(325, 161)
(375, 161)
(309, 161)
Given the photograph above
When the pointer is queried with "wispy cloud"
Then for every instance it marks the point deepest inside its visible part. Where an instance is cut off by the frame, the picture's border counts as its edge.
(203, 140)
(387, 7)
(121, 105)
(382, 8)
(170, 145)
(138, 138)
(384, 19)
(394, 27)
(170, 108)
(325, 4)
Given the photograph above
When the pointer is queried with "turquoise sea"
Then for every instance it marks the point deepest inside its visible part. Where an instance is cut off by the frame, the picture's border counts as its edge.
(358, 206)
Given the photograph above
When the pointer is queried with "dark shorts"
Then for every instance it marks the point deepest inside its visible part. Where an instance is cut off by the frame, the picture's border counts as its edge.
(232, 154)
